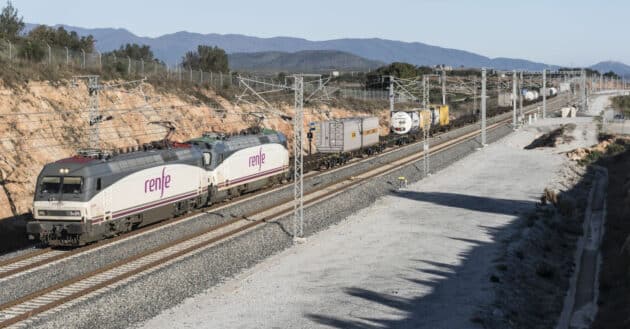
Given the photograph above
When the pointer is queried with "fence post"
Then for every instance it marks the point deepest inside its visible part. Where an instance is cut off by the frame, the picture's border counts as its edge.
(128, 65)
(200, 77)
(100, 61)
(221, 75)
(10, 46)
(83, 65)
(49, 54)
(67, 56)
(211, 81)
(191, 79)
(142, 66)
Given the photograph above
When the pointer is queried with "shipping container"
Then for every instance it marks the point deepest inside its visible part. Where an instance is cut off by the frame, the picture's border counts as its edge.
(565, 87)
(346, 135)
(444, 115)
(435, 116)
(425, 118)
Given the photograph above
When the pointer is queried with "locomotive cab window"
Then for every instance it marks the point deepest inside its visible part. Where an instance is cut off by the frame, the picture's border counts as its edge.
(207, 158)
(72, 185)
(51, 184)
(98, 184)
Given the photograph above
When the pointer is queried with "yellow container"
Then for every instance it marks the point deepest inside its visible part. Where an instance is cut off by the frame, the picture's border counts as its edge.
(444, 118)
(425, 118)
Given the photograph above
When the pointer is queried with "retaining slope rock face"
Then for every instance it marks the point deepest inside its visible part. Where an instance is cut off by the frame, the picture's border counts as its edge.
(42, 122)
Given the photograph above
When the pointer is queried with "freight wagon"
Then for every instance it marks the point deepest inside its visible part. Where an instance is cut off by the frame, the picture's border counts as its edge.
(346, 135)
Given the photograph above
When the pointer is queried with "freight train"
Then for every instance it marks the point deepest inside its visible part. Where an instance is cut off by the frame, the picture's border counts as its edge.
(338, 141)
(404, 122)
(94, 195)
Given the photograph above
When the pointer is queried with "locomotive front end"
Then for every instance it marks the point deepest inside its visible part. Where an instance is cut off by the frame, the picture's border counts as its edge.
(60, 205)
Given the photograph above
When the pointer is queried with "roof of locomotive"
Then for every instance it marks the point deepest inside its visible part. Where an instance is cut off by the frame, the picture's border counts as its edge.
(188, 153)
(79, 165)
(231, 144)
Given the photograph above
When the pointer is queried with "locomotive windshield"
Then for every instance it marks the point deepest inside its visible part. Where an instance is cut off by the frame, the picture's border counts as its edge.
(67, 185)
(72, 185)
(51, 185)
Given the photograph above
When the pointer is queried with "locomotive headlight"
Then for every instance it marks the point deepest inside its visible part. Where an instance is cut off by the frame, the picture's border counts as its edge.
(64, 171)
(41, 212)
(75, 213)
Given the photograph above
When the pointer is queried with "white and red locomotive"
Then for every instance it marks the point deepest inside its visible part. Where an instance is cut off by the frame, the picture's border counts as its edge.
(92, 196)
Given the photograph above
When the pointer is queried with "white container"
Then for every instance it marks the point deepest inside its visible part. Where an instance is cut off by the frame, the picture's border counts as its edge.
(346, 135)
(404, 122)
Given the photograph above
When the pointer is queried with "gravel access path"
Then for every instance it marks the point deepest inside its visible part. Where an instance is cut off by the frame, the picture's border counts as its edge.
(417, 258)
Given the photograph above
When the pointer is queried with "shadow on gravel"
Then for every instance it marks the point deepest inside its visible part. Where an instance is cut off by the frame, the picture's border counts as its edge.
(444, 281)
(427, 311)
(13, 234)
(465, 295)
(470, 202)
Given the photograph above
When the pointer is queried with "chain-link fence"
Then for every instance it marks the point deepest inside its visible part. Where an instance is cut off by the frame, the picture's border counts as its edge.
(110, 64)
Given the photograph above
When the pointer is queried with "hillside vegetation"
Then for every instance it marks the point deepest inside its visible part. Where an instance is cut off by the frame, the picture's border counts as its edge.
(622, 104)
(301, 61)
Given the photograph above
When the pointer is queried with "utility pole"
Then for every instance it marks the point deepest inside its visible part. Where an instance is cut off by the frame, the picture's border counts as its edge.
(483, 107)
(94, 117)
(583, 90)
(544, 91)
(475, 96)
(425, 92)
(298, 192)
(443, 86)
(391, 96)
(520, 92)
(425, 147)
(514, 99)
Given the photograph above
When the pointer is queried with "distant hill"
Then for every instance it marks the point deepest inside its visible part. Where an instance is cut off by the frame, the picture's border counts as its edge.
(301, 61)
(617, 67)
(171, 47)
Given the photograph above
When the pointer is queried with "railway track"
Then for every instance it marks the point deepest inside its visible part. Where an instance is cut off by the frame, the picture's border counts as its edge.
(23, 311)
(47, 256)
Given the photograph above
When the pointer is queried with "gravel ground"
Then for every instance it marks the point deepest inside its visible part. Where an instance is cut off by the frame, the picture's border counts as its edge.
(395, 271)
(146, 297)
(36, 280)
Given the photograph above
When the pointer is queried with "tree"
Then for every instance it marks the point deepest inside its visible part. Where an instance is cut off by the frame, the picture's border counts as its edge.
(206, 58)
(611, 74)
(378, 78)
(134, 51)
(32, 50)
(10, 24)
(59, 37)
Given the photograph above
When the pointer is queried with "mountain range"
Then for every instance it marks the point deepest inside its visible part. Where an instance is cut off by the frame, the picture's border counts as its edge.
(171, 47)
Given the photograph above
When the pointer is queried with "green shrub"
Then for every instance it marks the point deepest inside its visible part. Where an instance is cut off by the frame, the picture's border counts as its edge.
(33, 51)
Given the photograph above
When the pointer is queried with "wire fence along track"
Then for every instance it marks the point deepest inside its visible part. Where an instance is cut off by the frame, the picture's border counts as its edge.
(101, 280)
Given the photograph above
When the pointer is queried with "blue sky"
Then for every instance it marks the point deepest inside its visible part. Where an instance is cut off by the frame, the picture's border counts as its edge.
(563, 32)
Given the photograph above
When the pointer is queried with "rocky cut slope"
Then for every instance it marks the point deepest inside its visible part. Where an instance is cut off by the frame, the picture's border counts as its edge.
(42, 122)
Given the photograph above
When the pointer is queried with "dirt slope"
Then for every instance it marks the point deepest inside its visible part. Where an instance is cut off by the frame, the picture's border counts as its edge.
(41, 122)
